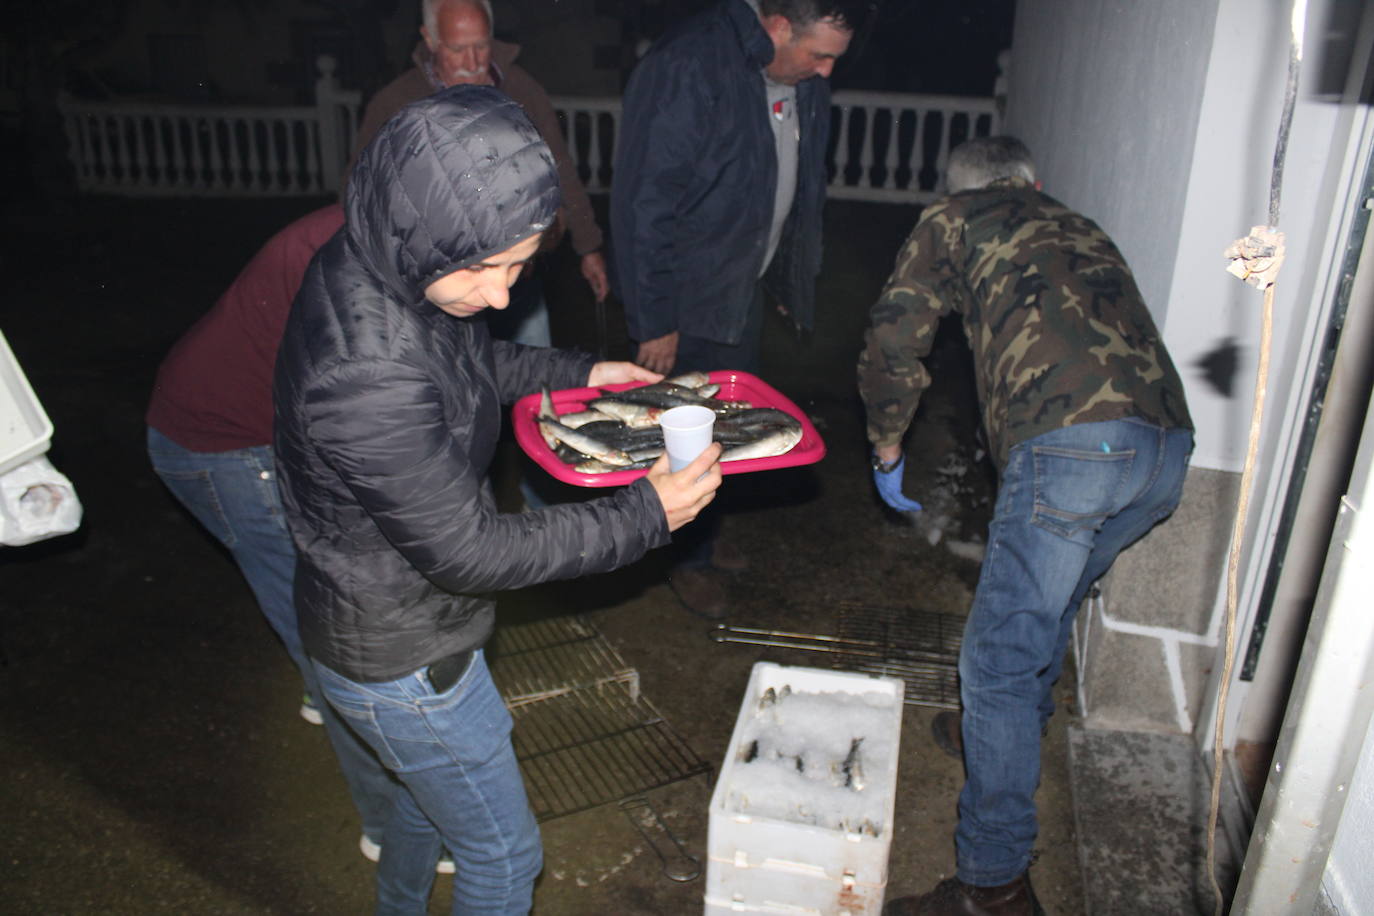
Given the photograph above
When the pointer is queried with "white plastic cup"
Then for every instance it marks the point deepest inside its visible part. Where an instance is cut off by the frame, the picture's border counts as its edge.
(686, 433)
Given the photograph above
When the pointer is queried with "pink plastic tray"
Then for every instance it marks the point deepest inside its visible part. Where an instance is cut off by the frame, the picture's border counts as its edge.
(734, 386)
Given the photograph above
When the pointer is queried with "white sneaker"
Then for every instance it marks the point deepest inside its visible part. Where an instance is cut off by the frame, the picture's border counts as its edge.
(372, 852)
(309, 711)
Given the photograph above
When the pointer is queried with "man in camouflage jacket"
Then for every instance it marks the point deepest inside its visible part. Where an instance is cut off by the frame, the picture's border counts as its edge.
(1087, 423)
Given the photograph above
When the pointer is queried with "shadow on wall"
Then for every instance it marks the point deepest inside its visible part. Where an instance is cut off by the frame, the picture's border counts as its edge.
(1219, 365)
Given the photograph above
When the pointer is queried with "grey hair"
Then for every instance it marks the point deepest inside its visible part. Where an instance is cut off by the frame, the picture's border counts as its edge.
(978, 163)
(429, 12)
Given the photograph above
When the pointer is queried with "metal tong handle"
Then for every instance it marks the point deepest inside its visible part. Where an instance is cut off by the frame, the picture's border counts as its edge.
(677, 864)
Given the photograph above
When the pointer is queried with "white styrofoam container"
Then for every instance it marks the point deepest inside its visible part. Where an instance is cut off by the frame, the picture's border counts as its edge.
(772, 866)
(25, 431)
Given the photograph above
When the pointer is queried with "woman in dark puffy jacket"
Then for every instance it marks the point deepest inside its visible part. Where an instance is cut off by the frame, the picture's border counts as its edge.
(389, 395)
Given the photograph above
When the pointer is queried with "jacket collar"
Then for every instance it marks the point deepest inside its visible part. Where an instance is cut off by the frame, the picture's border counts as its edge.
(753, 39)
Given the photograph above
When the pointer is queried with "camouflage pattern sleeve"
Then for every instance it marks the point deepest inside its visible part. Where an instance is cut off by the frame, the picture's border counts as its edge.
(924, 286)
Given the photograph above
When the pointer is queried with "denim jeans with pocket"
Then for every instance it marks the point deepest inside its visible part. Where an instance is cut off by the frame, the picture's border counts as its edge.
(234, 495)
(1068, 503)
(461, 790)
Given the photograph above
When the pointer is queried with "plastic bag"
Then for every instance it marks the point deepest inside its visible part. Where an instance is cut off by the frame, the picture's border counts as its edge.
(36, 502)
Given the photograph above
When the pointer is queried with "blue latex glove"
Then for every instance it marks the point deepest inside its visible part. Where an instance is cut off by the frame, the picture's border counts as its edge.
(889, 486)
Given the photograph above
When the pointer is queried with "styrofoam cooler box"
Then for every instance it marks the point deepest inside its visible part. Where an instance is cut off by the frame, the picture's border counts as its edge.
(806, 842)
(25, 431)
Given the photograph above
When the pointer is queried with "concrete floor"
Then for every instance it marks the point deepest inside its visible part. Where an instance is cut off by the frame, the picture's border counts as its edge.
(1140, 804)
(153, 759)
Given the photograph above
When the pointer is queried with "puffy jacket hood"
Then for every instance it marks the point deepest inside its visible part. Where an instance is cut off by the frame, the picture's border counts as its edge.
(450, 180)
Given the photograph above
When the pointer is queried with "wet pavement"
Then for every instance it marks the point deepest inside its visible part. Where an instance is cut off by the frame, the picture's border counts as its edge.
(152, 754)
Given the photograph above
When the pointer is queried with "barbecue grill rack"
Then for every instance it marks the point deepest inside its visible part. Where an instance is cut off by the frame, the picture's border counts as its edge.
(539, 660)
(583, 734)
(584, 748)
(919, 647)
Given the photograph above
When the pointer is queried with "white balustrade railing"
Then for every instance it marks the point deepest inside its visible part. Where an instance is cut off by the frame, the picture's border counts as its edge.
(893, 147)
(885, 146)
(590, 126)
(199, 150)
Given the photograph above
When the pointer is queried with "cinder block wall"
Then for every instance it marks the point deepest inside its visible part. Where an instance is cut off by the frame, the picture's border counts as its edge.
(1145, 648)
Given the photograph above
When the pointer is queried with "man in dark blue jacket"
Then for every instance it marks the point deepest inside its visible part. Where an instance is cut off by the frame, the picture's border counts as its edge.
(719, 183)
(720, 178)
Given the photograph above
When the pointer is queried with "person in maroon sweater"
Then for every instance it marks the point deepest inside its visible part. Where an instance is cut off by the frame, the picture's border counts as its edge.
(209, 440)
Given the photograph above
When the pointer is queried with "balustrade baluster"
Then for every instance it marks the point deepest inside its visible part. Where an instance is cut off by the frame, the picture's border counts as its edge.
(214, 127)
(594, 155)
(842, 149)
(139, 168)
(233, 159)
(293, 174)
(274, 157)
(942, 152)
(116, 155)
(252, 131)
(890, 158)
(124, 144)
(159, 157)
(866, 151)
(181, 155)
(195, 158)
(314, 178)
(908, 162)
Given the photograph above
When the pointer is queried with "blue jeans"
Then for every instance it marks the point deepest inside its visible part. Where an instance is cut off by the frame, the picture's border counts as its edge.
(461, 789)
(1068, 503)
(234, 495)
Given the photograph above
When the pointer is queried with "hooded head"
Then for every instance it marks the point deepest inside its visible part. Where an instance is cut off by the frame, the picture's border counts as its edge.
(449, 181)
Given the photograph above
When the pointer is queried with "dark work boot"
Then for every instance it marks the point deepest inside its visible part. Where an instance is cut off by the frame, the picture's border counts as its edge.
(953, 897)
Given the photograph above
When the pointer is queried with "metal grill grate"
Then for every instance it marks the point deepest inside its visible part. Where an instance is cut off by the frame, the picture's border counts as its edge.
(920, 648)
(582, 748)
(535, 661)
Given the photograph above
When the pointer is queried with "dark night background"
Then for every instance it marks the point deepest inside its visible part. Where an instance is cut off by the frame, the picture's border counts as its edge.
(922, 46)
(153, 758)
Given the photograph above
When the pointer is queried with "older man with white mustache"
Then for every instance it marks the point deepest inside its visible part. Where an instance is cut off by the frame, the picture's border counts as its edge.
(457, 47)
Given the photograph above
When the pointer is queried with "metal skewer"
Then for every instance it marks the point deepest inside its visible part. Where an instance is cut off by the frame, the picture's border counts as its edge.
(818, 642)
